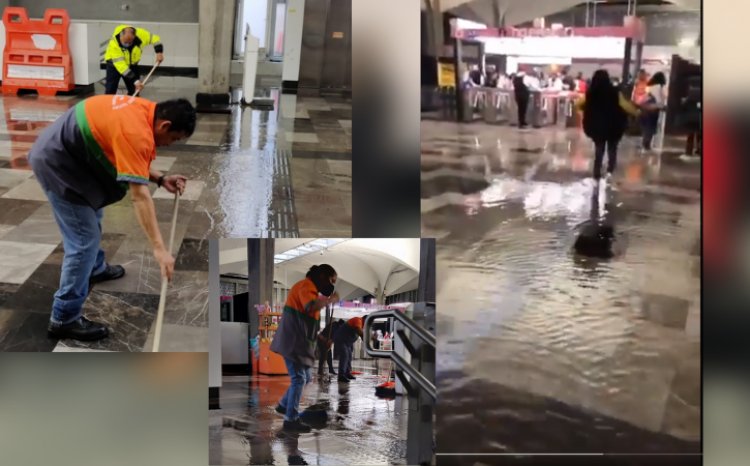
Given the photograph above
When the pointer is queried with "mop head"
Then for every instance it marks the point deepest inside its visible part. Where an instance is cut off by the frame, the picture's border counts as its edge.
(595, 240)
(386, 390)
(315, 415)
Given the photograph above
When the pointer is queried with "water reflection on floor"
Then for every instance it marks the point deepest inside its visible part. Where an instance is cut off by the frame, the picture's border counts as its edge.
(361, 429)
(605, 352)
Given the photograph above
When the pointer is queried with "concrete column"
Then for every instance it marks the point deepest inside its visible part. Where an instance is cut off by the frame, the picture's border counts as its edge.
(217, 19)
(313, 48)
(260, 267)
(295, 13)
(214, 325)
(437, 27)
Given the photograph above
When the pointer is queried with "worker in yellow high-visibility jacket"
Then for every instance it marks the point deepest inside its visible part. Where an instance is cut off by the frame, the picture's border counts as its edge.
(123, 54)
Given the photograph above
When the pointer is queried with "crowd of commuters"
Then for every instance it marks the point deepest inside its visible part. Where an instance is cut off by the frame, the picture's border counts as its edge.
(606, 103)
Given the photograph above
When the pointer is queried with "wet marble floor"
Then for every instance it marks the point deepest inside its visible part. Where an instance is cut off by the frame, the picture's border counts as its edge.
(361, 428)
(249, 176)
(544, 350)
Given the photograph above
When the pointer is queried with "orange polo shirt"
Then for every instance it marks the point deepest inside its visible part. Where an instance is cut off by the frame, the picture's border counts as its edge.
(120, 128)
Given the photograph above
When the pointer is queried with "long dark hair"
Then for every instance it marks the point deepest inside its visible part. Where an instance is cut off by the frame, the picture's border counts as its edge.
(601, 90)
(657, 79)
(321, 271)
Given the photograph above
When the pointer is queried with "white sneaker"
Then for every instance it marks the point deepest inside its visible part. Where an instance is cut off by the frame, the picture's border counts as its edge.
(690, 158)
(610, 182)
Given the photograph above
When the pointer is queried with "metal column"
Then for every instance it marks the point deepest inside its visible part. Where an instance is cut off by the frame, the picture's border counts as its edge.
(459, 76)
(627, 61)
(417, 333)
(420, 438)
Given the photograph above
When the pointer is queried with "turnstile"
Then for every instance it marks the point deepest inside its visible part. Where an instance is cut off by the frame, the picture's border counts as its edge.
(474, 101)
(567, 114)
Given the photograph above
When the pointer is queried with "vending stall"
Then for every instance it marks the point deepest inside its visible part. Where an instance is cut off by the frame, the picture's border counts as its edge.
(269, 363)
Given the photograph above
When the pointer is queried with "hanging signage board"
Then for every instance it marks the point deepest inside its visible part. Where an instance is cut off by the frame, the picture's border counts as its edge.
(632, 28)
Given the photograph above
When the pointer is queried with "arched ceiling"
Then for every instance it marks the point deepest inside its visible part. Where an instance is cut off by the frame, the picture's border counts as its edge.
(515, 11)
(365, 266)
(520, 11)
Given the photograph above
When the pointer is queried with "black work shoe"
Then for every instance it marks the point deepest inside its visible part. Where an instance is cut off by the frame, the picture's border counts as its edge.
(112, 272)
(280, 409)
(296, 459)
(296, 426)
(332, 372)
(350, 377)
(343, 379)
(81, 329)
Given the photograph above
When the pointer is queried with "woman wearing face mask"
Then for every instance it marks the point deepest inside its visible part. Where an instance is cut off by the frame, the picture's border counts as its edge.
(296, 337)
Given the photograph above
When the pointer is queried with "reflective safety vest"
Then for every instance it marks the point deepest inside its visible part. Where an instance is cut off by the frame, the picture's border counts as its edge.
(124, 57)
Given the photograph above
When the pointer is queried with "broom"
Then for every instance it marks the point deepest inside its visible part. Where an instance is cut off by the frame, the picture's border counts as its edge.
(387, 389)
(317, 414)
(135, 94)
(164, 281)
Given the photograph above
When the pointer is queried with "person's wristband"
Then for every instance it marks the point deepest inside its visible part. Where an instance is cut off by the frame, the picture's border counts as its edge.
(160, 181)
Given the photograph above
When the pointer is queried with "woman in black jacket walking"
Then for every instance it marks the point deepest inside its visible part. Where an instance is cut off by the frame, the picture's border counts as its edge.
(605, 118)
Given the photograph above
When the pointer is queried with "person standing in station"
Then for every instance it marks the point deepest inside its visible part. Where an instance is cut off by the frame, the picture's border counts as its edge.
(640, 89)
(123, 54)
(297, 335)
(581, 86)
(690, 119)
(605, 119)
(344, 338)
(90, 158)
(522, 94)
(653, 104)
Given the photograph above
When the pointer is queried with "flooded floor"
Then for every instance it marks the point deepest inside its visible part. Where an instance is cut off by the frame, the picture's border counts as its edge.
(283, 173)
(361, 428)
(544, 350)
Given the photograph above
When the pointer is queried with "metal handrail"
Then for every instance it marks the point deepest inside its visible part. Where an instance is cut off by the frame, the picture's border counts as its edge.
(401, 363)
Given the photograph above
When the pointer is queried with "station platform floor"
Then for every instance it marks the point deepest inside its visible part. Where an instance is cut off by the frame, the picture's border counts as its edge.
(283, 173)
(361, 428)
(541, 349)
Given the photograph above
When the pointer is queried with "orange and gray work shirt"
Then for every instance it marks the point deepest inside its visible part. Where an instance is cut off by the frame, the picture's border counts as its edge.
(124, 57)
(295, 339)
(92, 152)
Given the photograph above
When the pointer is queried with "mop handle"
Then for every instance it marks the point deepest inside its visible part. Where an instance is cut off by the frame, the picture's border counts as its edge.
(330, 324)
(164, 281)
(146, 80)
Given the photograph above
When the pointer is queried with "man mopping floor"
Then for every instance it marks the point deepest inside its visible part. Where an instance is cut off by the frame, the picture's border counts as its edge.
(87, 159)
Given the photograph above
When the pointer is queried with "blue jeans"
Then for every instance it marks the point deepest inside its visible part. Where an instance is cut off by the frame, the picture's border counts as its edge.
(81, 231)
(301, 376)
(345, 360)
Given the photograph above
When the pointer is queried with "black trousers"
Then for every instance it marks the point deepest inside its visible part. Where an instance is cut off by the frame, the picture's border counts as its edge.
(113, 79)
(693, 143)
(649, 126)
(610, 146)
(327, 357)
(523, 106)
